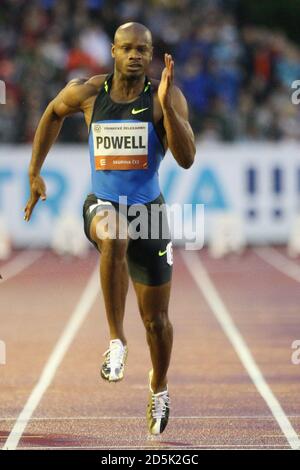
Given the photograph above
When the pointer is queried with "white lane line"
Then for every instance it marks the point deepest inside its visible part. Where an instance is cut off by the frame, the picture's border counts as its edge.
(210, 293)
(279, 261)
(77, 318)
(120, 418)
(18, 264)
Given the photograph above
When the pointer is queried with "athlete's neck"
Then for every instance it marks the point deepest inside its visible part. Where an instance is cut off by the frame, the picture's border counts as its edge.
(126, 88)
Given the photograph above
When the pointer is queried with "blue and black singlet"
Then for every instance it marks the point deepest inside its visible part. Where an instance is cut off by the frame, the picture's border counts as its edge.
(125, 147)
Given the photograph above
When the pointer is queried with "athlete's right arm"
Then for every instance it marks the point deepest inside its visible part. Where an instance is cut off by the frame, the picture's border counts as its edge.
(67, 102)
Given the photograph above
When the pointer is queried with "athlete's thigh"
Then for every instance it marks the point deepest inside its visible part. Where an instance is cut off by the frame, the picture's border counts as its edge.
(102, 221)
(152, 300)
(150, 256)
(150, 261)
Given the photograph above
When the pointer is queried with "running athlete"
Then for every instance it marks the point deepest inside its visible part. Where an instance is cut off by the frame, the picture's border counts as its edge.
(132, 120)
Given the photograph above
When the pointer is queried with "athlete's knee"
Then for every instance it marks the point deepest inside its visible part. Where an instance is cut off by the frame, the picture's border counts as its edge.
(157, 323)
(115, 248)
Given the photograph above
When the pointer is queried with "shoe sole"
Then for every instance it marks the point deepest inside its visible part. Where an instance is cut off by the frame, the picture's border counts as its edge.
(110, 381)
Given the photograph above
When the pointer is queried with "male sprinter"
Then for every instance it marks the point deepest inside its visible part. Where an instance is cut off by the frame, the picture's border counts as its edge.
(132, 120)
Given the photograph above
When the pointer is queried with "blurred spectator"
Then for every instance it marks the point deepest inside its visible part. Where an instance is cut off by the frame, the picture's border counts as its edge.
(198, 84)
(95, 42)
(237, 80)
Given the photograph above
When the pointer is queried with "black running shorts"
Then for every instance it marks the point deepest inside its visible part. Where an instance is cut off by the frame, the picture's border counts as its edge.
(150, 257)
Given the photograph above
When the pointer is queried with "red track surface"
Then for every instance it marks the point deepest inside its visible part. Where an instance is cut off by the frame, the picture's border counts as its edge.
(214, 402)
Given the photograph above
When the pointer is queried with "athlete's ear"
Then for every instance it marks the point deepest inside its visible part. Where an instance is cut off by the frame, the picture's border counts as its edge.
(113, 50)
(151, 53)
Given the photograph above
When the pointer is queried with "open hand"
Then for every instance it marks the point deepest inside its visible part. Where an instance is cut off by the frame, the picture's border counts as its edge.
(166, 81)
(37, 191)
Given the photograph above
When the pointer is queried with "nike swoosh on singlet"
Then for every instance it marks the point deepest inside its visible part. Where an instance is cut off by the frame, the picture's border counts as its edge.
(137, 111)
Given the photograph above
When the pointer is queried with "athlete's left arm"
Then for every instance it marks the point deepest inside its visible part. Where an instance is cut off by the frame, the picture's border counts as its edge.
(180, 137)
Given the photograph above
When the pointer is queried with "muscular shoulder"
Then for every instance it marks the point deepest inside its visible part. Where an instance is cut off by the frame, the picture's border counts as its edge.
(73, 97)
(93, 82)
(154, 83)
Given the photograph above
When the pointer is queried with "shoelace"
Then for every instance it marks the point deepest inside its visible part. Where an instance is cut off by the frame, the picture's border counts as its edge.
(159, 405)
(114, 356)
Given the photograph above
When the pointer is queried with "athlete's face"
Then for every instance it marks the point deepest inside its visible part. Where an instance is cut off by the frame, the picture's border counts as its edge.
(132, 53)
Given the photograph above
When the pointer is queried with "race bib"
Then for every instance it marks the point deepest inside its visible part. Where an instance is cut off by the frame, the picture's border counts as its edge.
(120, 146)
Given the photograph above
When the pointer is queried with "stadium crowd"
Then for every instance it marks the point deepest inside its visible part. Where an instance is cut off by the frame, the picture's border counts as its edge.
(237, 78)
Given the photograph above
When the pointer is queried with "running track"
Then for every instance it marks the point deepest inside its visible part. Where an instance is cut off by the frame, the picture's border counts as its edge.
(232, 382)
